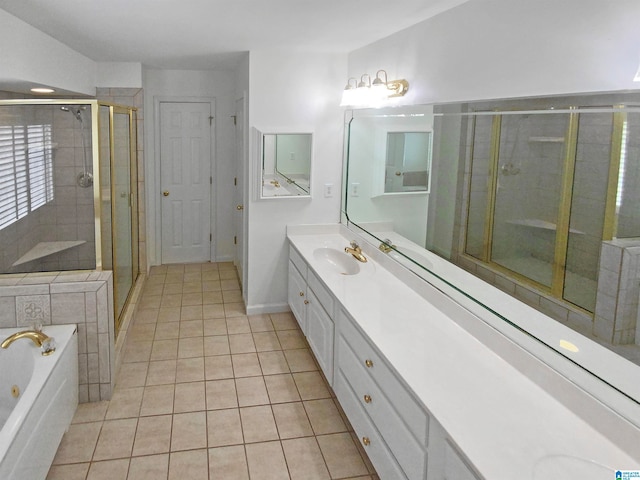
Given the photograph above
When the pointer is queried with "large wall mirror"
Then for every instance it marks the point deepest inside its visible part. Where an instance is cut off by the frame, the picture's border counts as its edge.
(538, 197)
(285, 159)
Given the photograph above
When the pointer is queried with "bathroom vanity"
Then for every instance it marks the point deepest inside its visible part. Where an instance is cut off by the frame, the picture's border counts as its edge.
(433, 391)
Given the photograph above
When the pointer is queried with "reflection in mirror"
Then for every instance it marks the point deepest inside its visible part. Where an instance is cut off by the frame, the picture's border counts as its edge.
(535, 196)
(408, 161)
(366, 201)
(286, 164)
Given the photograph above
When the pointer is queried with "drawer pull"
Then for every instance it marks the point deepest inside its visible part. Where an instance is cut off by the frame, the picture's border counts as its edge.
(366, 441)
(368, 363)
(302, 294)
(306, 302)
(367, 399)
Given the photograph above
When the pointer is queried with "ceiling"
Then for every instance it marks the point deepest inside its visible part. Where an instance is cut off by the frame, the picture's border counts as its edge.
(208, 34)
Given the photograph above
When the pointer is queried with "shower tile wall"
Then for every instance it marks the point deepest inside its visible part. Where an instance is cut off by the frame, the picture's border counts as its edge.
(629, 199)
(83, 298)
(74, 210)
(616, 317)
(133, 97)
(593, 157)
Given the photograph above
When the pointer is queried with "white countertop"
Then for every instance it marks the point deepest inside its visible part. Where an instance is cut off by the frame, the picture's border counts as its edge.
(506, 425)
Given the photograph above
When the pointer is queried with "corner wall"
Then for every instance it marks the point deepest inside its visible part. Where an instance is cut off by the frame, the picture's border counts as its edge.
(294, 92)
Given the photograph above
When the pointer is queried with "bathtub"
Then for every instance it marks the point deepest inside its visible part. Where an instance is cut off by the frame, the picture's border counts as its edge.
(38, 398)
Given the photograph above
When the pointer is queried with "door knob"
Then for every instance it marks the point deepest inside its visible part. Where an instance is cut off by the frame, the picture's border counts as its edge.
(165, 193)
(239, 207)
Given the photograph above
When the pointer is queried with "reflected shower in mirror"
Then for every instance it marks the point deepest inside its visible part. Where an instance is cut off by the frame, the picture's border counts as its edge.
(286, 165)
(537, 197)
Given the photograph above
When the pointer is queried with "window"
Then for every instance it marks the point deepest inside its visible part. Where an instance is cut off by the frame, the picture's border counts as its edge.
(26, 170)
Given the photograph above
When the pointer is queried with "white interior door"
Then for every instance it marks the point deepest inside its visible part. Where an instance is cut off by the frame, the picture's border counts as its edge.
(185, 181)
(239, 193)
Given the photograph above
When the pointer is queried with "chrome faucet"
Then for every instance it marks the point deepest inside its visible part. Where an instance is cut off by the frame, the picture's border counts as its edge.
(386, 246)
(41, 340)
(356, 252)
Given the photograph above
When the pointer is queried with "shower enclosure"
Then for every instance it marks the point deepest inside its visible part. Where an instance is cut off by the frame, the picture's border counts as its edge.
(68, 196)
(546, 188)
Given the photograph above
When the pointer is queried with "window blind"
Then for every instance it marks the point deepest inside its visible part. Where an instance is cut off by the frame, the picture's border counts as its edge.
(26, 170)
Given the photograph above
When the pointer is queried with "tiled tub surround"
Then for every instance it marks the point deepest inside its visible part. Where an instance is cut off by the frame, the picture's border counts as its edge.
(84, 298)
(487, 394)
(206, 392)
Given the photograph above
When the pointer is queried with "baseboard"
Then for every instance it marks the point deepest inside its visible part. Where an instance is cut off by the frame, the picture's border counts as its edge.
(268, 308)
(223, 258)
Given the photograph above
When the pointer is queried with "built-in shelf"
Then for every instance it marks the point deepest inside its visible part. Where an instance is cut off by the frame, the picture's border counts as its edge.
(546, 139)
(540, 224)
(44, 249)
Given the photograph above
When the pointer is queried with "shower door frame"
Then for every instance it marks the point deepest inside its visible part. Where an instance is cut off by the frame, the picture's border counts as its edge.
(556, 290)
(133, 201)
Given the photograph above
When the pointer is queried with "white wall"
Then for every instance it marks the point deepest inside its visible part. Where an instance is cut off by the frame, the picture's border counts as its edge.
(28, 55)
(296, 92)
(182, 84)
(487, 49)
(119, 74)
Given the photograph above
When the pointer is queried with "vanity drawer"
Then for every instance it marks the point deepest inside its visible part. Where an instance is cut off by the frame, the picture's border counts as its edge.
(378, 452)
(410, 410)
(324, 297)
(298, 261)
(410, 454)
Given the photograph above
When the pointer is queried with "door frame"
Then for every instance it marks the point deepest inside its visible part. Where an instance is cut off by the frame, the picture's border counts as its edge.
(154, 199)
(242, 171)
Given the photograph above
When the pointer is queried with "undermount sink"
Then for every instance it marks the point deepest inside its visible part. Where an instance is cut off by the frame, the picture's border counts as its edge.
(339, 261)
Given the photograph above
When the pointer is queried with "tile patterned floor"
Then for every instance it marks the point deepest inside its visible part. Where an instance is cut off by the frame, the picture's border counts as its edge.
(205, 392)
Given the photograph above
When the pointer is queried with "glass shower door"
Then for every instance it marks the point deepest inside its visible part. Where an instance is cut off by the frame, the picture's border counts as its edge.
(125, 261)
(529, 185)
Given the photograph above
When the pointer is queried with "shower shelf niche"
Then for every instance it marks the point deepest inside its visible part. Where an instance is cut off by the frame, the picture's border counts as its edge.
(546, 139)
(540, 224)
(44, 249)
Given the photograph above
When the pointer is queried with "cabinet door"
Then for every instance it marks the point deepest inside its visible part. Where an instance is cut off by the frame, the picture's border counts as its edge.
(297, 296)
(320, 335)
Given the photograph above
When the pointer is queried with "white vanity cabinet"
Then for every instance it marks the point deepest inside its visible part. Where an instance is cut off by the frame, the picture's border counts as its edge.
(391, 424)
(312, 305)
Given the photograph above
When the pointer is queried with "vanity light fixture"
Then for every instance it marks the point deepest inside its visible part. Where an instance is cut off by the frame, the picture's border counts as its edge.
(367, 93)
(393, 88)
(349, 93)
